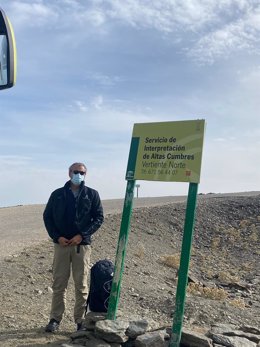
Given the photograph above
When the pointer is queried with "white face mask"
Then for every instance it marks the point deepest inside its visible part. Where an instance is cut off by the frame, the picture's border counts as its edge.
(77, 179)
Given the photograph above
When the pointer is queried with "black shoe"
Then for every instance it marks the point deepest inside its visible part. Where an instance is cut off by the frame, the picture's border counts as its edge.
(52, 326)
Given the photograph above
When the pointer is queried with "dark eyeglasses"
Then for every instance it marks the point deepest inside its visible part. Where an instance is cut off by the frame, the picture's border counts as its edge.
(79, 172)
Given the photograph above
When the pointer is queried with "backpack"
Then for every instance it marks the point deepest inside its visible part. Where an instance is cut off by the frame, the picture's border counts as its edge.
(101, 276)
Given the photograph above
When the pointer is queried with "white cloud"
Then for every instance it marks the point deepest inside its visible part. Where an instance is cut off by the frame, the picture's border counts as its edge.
(104, 80)
(250, 78)
(97, 102)
(167, 16)
(209, 29)
(81, 106)
(33, 14)
(91, 17)
(89, 70)
(215, 32)
(113, 119)
(230, 166)
(239, 35)
(9, 161)
(102, 128)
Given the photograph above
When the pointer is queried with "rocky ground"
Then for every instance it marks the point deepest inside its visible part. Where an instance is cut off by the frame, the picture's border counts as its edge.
(224, 271)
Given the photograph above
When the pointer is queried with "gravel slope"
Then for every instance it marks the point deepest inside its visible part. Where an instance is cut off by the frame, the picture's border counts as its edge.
(22, 226)
(225, 259)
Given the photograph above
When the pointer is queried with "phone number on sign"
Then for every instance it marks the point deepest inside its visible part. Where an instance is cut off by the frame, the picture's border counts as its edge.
(159, 172)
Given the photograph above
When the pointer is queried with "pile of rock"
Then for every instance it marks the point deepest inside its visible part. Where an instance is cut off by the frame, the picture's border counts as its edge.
(232, 336)
(100, 332)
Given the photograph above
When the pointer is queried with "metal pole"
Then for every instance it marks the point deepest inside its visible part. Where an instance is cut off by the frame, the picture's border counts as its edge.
(184, 266)
(137, 189)
(121, 250)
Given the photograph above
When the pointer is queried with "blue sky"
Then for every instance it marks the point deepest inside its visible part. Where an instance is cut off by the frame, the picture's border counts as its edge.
(89, 70)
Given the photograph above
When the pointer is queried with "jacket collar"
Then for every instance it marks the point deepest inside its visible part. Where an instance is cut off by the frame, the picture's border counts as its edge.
(67, 185)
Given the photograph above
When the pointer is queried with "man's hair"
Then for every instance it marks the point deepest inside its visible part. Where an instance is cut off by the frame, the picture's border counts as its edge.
(81, 164)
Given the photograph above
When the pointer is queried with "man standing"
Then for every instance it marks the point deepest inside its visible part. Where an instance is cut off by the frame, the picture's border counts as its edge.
(72, 215)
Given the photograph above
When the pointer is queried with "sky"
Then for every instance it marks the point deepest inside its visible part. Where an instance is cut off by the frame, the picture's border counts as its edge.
(88, 70)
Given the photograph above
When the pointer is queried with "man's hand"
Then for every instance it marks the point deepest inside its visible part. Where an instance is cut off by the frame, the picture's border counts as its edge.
(75, 240)
(63, 241)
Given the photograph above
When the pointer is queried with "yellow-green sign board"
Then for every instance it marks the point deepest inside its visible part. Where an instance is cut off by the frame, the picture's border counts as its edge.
(166, 151)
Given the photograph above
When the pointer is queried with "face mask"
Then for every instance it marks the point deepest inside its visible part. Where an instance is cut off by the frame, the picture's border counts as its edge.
(77, 179)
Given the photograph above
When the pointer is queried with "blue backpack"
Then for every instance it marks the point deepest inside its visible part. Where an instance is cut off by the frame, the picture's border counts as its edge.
(101, 276)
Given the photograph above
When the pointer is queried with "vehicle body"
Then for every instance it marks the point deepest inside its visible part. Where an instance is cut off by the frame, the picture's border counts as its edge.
(7, 53)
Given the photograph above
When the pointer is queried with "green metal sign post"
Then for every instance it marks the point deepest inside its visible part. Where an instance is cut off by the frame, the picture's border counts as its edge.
(184, 266)
(124, 230)
(121, 250)
(169, 151)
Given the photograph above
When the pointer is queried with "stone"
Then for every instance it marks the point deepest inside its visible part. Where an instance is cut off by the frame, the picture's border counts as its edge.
(136, 328)
(88, 339)
(92, 318)
(193, 339)
(247, 332)
(235, 341)
(152, 339)
(95, 316)
(80, 334)
(153, 325)
(97, 343)
(112, 331)
(129, 343)
(222, 328)
(90, 325)
(249, 336)
(249, 329)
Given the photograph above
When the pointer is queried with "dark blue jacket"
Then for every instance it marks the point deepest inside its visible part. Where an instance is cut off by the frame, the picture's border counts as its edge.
(88, 213)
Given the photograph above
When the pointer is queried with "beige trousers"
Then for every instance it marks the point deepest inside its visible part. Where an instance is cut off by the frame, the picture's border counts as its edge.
(65, 259)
